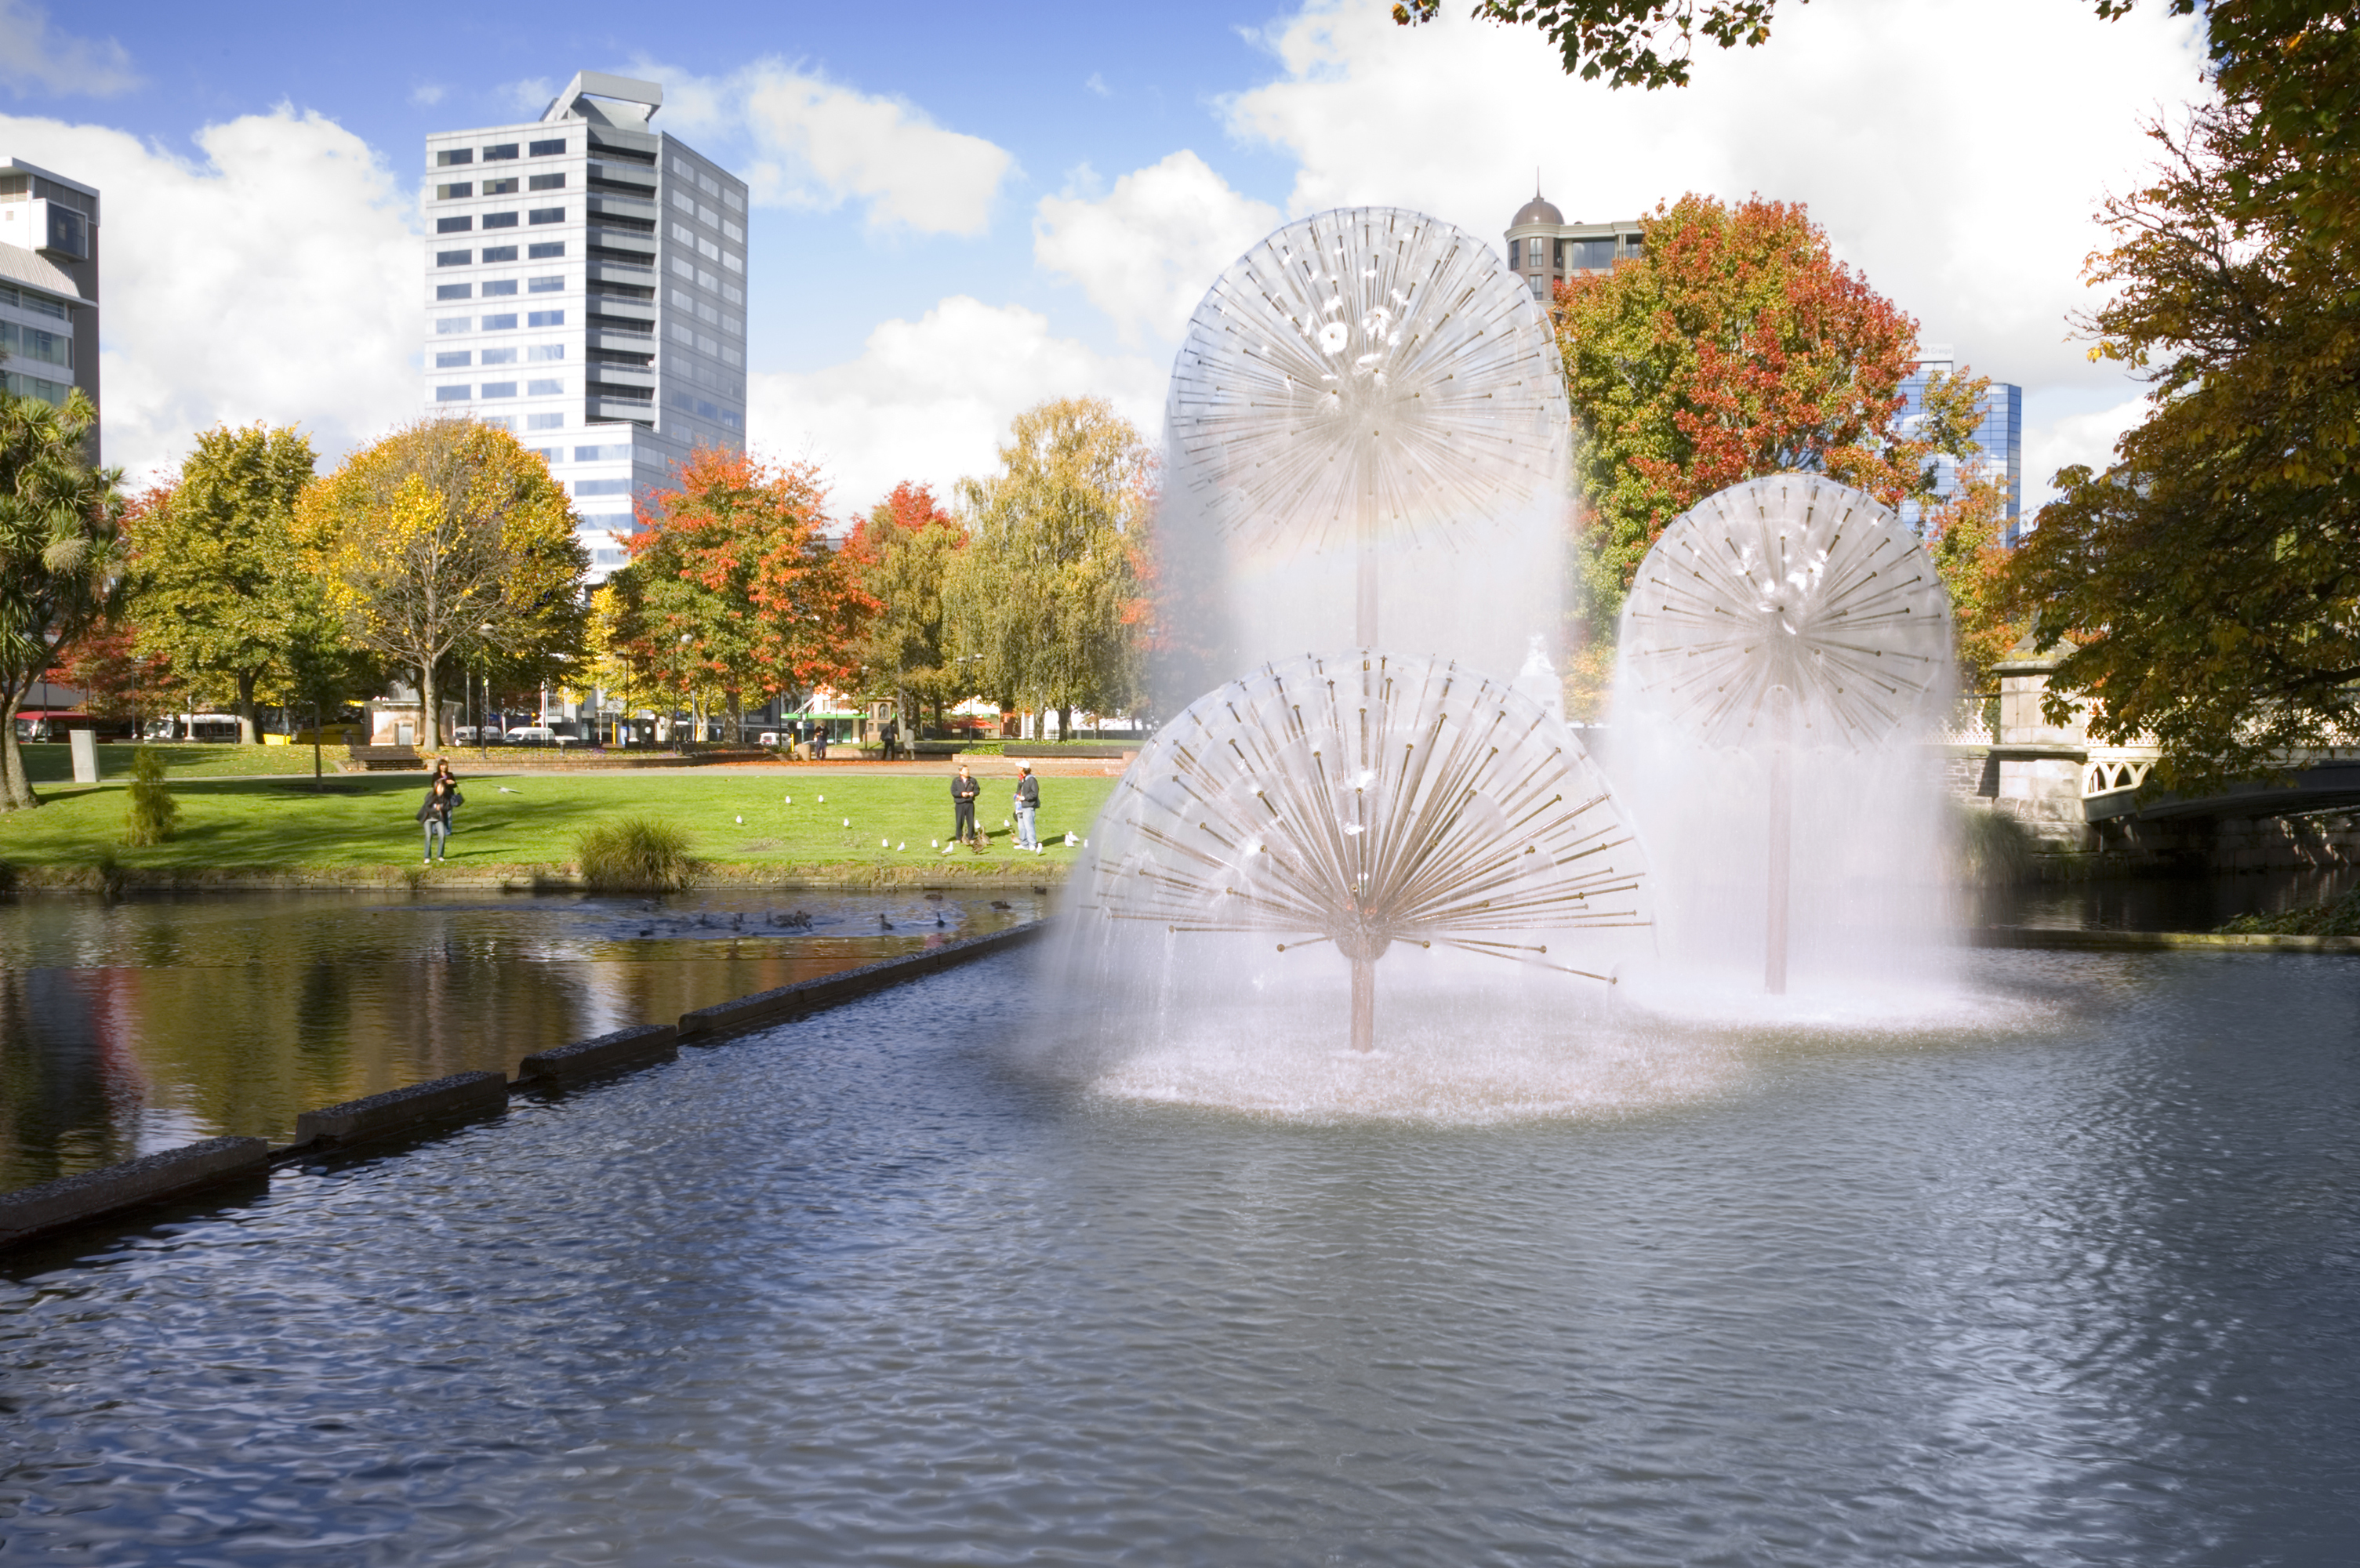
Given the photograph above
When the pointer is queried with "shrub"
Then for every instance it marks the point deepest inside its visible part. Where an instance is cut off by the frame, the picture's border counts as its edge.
(153, 813)
(1995, 849)
(2333, 917)
(635, 855)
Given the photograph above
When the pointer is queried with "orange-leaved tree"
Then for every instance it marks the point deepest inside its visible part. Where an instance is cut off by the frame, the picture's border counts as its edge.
(900, 555)
(734, 589)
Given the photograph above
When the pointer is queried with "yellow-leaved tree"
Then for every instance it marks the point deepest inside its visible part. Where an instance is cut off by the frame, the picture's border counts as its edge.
(445, 539)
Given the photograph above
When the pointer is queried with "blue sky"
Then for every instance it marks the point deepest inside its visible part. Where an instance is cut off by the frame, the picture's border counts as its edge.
(961, 210)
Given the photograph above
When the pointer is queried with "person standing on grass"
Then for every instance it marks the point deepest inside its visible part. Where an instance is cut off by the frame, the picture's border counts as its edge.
(442, 799)
(964, 789)
(1028, 803)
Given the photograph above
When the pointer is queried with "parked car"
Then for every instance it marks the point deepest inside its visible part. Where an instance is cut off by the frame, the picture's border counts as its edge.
(769, 737)
(537, 735)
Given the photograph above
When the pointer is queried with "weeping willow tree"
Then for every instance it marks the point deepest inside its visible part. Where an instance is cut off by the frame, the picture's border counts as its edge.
(1048, 597)
(60, 555)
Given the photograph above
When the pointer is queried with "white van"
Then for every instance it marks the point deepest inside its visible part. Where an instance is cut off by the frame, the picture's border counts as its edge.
(537, 735)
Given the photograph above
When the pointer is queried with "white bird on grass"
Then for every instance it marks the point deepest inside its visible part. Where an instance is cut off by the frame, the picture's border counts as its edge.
(506, 790)
(900, 846)
(739, 821)
(790, 800)
(847, 822)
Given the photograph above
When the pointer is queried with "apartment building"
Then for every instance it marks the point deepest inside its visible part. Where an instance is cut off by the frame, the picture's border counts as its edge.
(1544, 249)
(586, 288)
(49, 284)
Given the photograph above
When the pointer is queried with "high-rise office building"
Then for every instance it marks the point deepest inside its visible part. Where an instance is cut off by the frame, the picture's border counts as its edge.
(48, 283)
(1545, 249)
(1999, 432)
(586, 288)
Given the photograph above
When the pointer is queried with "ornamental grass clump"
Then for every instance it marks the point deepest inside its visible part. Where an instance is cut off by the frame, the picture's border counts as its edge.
(635, 855)
(2332, 916)
(1993, 849)
(153, 813)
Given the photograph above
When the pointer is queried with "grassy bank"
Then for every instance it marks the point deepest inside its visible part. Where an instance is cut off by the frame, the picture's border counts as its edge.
(361, 825)
(53, 762)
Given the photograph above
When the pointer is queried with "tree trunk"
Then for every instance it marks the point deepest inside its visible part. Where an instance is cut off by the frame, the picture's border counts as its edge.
(1066, 723)
(429, 718)
(245, 735)
(15, 789)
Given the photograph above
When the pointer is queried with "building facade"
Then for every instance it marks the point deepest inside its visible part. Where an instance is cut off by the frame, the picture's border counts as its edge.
(586, 288)
(49, 284)
(1544, 249)
(2000, 434)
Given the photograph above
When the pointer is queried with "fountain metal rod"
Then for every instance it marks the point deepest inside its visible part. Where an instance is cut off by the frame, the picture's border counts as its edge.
(1782, 840)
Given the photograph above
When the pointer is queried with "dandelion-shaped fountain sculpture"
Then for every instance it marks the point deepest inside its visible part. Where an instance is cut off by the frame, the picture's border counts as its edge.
(1782, 610)
(1363, 374)
(1366, 800)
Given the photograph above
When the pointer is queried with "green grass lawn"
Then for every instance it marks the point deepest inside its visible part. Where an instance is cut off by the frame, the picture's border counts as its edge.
(361, 822)
(51, 762)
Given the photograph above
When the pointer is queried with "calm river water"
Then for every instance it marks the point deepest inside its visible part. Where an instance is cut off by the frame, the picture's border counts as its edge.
(2077, 1284)
(129, 1028)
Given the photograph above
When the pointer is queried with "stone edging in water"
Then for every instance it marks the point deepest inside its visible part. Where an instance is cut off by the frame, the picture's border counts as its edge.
(2067, 940)
(94, 1197)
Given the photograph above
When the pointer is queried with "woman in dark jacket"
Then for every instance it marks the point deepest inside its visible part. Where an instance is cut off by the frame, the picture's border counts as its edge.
(443, 798)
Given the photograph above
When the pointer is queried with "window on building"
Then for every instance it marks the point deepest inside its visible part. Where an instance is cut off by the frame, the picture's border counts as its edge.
(709, 185)
(450, 359)
(544, 388)
(499, 390)
(546, 350)
(680, 334)
(500, 186)
(734, 199)
(504, 149)
(709, 251)
(452, 290)
(601, 487)
(684, 300)
(708, 217)
(683, 234)
(683, 268)
(499, 253)
(500, 323)
(500, 357)
(458, 225)
(548, 214)
(684, 202)
(615, 453)
(731, 292)
(734, 232)
(707, 344)
(1515, 255)
(732, 325)
(495, 421)
(546, 182)
(453, 258)
(543, 318)
(706, 280)
(706, 313)
(731, 357)
(449, 325)
(451, 158)
(498, 286)
(544, 284)
(547, 423)
(554, 148)
(454, 192)
(733, 261)
(500, 220)
(33, 343)
(681, 165)
(449, 393)
(548, 250)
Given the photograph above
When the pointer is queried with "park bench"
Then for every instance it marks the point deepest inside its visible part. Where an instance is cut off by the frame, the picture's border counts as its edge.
(383, 758)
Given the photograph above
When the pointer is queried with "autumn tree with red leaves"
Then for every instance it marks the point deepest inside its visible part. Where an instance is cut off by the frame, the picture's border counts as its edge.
(1735, 346)
(900, 554)
(733, 589)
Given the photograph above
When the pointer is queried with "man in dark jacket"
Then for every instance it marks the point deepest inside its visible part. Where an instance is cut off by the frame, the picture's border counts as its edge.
(1028, 803)
(964, 789)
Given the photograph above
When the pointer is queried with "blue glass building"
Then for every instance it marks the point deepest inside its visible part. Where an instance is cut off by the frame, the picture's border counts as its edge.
(2000, 435)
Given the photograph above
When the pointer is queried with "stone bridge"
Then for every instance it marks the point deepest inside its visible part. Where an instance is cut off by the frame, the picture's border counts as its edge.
(2082, 797)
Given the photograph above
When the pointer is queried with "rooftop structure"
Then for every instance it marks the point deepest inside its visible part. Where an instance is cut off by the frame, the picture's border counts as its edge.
(1544, 249)
(586, 288)
(49, 284)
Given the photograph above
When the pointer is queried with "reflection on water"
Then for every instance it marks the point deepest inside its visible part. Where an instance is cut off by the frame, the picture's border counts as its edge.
(130, 1027)
(2162, 903)
(2076, 1283)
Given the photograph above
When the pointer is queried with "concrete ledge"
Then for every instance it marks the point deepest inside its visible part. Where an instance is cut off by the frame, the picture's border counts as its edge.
(2065, 941)
(135, 1184)
(444, 1099)
(608, 1053)
(767, 1006)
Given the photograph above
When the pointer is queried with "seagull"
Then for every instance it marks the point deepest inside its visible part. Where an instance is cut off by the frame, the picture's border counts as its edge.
(900, 846)
(739, 821)
(847, 822)
(934, 843)
(506, 790)
(884, 844)
(790, 800)
(823, 800)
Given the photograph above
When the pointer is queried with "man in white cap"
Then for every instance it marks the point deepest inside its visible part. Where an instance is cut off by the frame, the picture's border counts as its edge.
(1028, 801)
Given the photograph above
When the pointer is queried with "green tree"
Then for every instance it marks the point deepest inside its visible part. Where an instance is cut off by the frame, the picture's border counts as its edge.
(1734, 346)
(217, 587)
(60, 555)
(901, 555)
(2210, 580)
(1048, 592)
(445, 538)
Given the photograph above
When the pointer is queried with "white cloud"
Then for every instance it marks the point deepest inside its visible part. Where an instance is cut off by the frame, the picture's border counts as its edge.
(930, 400)
(1955, 149)
(816, 145)
(1147, 251)
(276, 281)
(2086, 438)
(530, 96)
(426, 94)
(34, 58)
(1097, 84)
